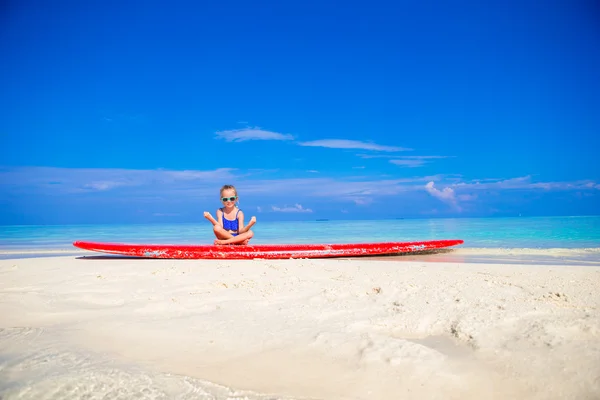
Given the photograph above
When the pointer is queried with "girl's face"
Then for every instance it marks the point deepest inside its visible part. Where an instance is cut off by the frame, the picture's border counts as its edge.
(228, 197)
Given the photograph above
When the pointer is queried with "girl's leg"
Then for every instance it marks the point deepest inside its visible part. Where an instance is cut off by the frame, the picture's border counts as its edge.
(221, 233)
(242, 238)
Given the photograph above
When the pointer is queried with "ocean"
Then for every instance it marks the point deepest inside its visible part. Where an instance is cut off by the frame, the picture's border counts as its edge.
(577, 236)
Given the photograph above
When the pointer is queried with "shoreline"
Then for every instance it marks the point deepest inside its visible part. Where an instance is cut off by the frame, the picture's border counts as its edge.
(318, 329)
(478, 255)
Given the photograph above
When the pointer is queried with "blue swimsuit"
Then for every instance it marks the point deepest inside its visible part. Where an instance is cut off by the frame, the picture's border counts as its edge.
(230, 225)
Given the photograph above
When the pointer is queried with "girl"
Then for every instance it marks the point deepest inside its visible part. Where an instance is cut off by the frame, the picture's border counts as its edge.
(229, 227)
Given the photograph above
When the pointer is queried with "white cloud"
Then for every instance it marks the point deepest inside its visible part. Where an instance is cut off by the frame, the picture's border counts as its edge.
(362, 201)
(295, 208)
(467, 197)
(525, 182)
(156, 186)
(404, 157)
(449, 194)
(425, 157)
(313, 171)
(103, 185)
(188, 175)
(245, 134)
(73, 180)
(408, 163)
(349, 189)
(350, 144)
(404, 161)
(446, 195)
(367, 156)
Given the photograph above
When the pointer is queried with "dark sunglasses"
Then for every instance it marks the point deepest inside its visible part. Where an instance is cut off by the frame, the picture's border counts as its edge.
(232, 198)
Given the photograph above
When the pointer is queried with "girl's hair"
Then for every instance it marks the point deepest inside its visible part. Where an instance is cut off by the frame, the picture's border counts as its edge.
(226, 187)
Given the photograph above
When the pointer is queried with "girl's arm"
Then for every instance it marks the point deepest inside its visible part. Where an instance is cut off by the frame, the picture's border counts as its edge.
(241, 228)
(220, 217)
(246, 228)
(210, 218)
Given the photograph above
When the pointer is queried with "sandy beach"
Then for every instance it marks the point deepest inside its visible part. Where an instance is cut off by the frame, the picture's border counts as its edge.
(106, 327)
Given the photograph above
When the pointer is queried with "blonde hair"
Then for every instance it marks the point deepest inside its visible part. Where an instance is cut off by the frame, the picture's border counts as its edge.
(227, 187)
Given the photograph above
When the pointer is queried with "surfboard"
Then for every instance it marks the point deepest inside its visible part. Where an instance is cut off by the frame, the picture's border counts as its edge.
(266, 251)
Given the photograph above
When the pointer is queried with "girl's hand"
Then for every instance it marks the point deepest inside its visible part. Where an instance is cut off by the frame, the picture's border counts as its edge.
(206, 214)
(253, 220)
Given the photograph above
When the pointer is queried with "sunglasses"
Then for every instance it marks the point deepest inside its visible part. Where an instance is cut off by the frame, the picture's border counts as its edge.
(232, 198)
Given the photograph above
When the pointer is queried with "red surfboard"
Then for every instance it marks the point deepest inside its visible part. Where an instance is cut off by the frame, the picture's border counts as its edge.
(271, 251)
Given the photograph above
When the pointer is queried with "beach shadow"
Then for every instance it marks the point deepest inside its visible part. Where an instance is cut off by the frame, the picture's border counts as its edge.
(425, 252)
(403, 256)
(440, 255)
(115, 257)
(413, 253)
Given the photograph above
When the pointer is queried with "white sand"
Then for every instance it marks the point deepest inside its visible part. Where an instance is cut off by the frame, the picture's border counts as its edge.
(320, 329)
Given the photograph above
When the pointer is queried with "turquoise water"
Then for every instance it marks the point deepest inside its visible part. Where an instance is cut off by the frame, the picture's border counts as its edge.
(498, 233)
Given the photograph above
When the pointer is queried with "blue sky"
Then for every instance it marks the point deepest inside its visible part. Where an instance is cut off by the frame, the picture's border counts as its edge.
(136, 111)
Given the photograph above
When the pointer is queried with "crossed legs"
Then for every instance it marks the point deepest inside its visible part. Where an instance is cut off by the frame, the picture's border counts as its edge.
(225, 237)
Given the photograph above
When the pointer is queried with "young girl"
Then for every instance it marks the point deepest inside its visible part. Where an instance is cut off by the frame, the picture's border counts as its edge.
(229, 227)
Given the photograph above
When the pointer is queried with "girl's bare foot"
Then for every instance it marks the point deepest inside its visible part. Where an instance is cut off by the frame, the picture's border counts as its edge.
(219, 242)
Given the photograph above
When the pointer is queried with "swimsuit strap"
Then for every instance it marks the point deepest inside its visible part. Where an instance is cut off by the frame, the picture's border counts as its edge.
(223, 211)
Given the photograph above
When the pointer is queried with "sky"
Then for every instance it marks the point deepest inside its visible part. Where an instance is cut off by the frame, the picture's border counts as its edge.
(139, 111)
